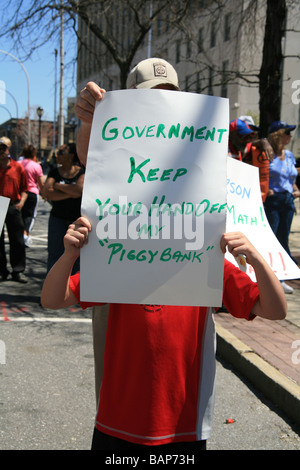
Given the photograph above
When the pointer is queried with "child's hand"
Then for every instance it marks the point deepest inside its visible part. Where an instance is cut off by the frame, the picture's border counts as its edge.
(77, 236)
(271, 303)
(85, 103)
(238, 244)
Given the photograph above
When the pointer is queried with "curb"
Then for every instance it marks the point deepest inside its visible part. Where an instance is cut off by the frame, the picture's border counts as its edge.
(276, 386)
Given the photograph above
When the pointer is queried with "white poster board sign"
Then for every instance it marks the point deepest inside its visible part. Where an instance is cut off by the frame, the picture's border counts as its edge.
(155, 194)
(246, 214)
(4, 202)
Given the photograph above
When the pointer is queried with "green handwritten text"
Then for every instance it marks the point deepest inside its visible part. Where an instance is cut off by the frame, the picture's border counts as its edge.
(153, 173)
(162, 131)
(119, 253)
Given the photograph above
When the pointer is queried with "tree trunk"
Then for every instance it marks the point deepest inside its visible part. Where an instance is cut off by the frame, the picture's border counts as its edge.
(271, 67)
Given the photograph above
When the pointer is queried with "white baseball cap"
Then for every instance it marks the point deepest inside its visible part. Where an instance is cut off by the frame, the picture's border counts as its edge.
(3, 143)
(152, 72)
(249, 120)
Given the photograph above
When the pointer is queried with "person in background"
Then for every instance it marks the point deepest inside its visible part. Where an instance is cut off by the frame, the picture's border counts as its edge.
(258, 153)
(8, 142)
(250, 123)
(5, 140)
(35, 178)
(279, 205)
(63, 188)
(240, 134)
(13, 185)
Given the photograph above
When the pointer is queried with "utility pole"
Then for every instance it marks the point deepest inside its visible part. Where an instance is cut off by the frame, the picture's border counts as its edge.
(150, 32)
(55, 98)
(61, 99)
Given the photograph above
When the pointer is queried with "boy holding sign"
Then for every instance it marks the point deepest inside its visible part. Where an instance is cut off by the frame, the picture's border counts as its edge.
(158, 383)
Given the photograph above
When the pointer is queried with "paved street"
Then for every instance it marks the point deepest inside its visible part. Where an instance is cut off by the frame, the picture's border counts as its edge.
(47, 398)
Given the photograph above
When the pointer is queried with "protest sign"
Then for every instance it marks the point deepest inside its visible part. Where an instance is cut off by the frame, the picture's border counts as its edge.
(155, 194)
(246, 214)
(4, 202)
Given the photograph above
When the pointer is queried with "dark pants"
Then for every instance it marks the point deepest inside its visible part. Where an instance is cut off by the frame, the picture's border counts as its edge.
(29, 211)
(280, 209)
(103, 441)
(57, 229)
(15, 230)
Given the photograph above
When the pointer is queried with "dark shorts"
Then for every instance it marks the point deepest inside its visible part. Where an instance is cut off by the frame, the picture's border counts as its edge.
(103, 441)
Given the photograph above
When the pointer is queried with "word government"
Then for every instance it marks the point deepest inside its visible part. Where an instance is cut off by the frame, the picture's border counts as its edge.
(109, 132)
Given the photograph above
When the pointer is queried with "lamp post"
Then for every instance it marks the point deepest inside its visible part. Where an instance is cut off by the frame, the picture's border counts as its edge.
(40, 113)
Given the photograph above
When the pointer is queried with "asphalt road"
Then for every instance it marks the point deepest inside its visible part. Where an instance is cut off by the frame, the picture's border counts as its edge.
(47, 398)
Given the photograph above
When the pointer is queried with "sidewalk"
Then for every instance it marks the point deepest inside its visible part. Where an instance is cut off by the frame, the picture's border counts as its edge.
(267, 352)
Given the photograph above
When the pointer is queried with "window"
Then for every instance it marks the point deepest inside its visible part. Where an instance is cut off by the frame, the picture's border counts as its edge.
(188, 48)
(213, 34)
(227, 25)
(198, 83)
(200, 40)
(210, 82)
(159, 26)
(167, 21)
(178, 42)
(224, 79)
(187, 83)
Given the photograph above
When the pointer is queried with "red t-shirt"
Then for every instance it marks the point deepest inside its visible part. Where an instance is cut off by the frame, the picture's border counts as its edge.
(13, 181)
(159, 365)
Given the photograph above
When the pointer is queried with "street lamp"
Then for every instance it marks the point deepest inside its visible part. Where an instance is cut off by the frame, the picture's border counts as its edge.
(40, 113)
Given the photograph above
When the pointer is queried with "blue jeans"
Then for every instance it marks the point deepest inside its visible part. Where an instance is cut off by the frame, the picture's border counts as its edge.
(280, 209)
(56, 231)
